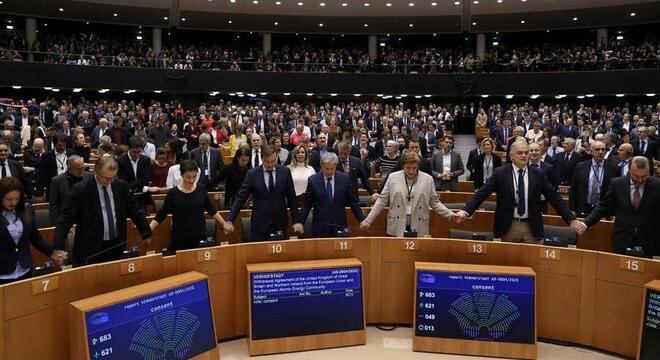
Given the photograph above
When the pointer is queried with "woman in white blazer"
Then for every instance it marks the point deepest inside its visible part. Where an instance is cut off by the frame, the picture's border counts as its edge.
(409, 193)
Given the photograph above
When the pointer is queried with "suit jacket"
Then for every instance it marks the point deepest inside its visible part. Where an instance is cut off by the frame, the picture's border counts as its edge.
(456, 168)
(580, 185)
(216, 164)
(330, 216)
(569, 131)
(357, 171)
(16, 170)
(32, 159)
(424, 166)
(430, 142)
(499, 137)
(566, 168)
(502, 183)
(135, 183)
(268, 208)
(48, 168)
(470, 163)
(478, 168)
(651, 150)
(59, 192)
(11, 253)
(629, 221)
(96, 135)
(83, 208)
(315, 157)
(395, 193)
(550, 172)
(379, 148)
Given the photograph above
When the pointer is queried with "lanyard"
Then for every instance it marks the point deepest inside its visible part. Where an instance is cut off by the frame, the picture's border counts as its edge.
(410, 188)
(61, 162)
(598, 179)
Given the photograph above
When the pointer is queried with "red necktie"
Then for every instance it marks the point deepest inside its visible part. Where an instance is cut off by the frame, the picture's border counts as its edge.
(637, 198)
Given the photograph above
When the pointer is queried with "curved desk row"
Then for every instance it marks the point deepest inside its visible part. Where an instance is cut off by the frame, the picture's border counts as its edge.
(584, 297)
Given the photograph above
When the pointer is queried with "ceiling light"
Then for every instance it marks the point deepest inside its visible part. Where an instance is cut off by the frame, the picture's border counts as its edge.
(632, 14)
(619, 37)
(499, 1)
(522, 21)
(183, 19)
(434, 4)
(484, 96)
(16, 87)
(382, 44)
(474, 23)
(321, 25)
(535, 96)
(61, 9)
(476, 2)
(333, 94)
(575, 19)
(47, 88)
(230, 21)
(138, 37)
(411, 25)
(356, 95)
(411, 4)
(509, 96)
(580, 96)
(427, 95)
(366, 25)
(232, 94)
(380, 95)
(620, 95)
(87, 22)
(165, 18)
(287, 94)
(590, 95)
(263, 94)
(457, 2)
(102, 91)
(276, 23)
(250, 95)
(366, 4)
(55, 90)
(344, 4)
(650, 95)
(10, 27)
(278, 3)
(309, 94)
(300, 3)
(255, 2)
(77, 90)
(418, 96)
(404, 95)
(115, 15)
(158, 91)
(231, 1)
(561, 96)
(322, 4)
(523, 0)
(495, 43)
(388, 4)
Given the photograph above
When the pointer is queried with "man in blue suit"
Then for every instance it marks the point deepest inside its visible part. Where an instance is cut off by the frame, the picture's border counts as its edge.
(272, 191)
(329, 192)
(519, 188)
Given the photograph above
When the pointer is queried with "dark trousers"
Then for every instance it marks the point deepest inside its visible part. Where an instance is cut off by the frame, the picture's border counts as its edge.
(265, 234)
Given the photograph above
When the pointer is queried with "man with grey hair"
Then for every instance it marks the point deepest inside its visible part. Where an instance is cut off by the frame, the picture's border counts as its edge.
(209, 161)
(329, 192)
(625, 153)
(255, 151)
(644, 145)
(565, 163)
(591, 180)
(633, 200)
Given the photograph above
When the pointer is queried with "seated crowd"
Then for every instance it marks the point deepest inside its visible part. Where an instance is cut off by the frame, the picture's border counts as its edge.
(297, 152)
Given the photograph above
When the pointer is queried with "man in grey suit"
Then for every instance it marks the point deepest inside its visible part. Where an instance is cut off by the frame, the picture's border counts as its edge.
(209, 161)
(446, 166)
(59, 190)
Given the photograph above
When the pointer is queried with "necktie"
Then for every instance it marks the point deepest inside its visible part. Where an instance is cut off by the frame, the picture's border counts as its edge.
(256, 159)
(521, 193)
(506, 133)
(637, 198)
(568, 157)
(595, 188)
(205, 165)
(554, 151)
(328, 189)
(643, 147)
(535, 165)
(4, 170)
(108, 214)
(347, 167)
(271, 182)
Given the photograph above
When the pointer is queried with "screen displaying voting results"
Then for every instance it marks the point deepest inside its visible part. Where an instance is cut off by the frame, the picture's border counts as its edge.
(471, 306)
(172, 324)
(650, 346)
(306, 302)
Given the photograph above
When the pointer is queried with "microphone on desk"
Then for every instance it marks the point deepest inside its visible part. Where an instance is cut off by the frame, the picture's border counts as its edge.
(104, 251)
(342, 232)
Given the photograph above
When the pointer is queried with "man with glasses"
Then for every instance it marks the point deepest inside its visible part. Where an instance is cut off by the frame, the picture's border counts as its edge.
(591, 180)
(99, 206)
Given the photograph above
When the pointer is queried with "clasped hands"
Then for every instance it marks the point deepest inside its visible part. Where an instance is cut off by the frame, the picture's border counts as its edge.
(59, 256)
(578, 226)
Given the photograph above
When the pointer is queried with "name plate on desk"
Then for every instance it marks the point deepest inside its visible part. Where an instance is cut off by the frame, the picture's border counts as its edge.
(649, 346)
(45, 285)
(343, 245)
(477, 248)
(304, 305)
(631, 264)
(131, 267)
(276, 248)
(207, 255)
(475, 310)
(409, 245)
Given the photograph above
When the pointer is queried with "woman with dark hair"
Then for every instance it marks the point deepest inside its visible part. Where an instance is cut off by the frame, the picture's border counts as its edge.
(173, 148)
(234, 174)
(17, 231)
(159, 169)
(187, 202)
(81, 147)
(485, 163)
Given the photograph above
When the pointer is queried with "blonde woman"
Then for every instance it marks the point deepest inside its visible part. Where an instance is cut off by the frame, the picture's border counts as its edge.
(236, 139)
(300, 170)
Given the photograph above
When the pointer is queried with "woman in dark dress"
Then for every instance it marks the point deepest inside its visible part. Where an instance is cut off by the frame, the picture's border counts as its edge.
(234, 174)
(18, 233)
(187, 203)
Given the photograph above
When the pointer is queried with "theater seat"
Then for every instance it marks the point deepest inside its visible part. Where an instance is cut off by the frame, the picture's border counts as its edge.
(469, 235)
(246, 234)
(488, 205)
(365, 201)
(42, 218)
(211, 228)
(455, 206)
(565, 234)
(158, 204)
(307, 227)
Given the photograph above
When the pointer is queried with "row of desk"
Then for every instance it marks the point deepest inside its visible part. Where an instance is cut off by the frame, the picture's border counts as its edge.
(583, 296)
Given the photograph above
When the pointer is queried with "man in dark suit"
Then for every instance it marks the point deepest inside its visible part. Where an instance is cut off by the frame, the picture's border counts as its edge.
(644, 146)
(272, 191)
(447, 166)
(60, 186)
(569, 130)
(319, 151)
(53, 163)
(255, 151)
(135, 170)
(519, 187)
(566, 161)
(99, 206)
(503, 133)
(100, 131)
(548, 168)
(329, 192)
(472, 157)
(591, 180)
(209, 161)
(353, 167)
(45, 115)
(374, 125)
(633, 200)
(381, 144)
(9, 167)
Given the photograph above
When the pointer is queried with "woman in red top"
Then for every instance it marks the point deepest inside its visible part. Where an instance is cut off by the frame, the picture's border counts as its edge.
(159, 169)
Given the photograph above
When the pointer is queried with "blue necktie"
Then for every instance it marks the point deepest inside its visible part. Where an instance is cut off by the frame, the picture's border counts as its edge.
(521, 193)
(271, 182)
(108, 214)
(328, 189)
